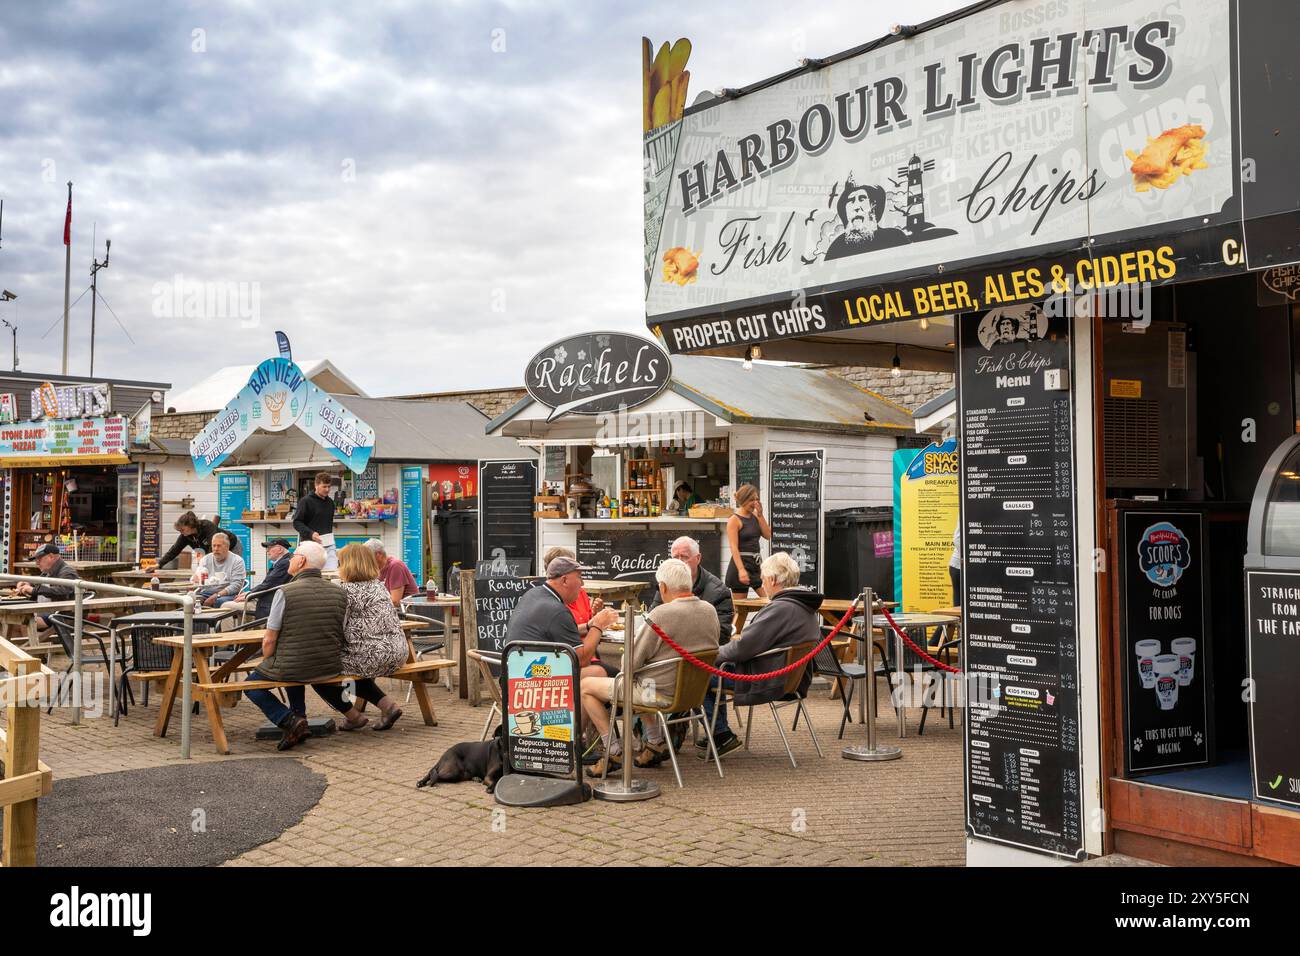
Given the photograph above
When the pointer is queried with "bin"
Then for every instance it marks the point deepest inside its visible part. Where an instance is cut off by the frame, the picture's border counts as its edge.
(859, 552)
(459, 531)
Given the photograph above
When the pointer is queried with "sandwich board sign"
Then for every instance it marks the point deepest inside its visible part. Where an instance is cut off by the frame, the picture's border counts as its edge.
(541, 726)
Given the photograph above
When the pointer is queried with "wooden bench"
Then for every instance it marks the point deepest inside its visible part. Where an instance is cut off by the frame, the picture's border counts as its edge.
(210, 692)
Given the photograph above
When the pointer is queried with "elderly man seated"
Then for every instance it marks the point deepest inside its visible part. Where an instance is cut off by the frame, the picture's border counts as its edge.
(49, 561)
(303, 642)
(689, 621)
(790, 618)
(221, 573)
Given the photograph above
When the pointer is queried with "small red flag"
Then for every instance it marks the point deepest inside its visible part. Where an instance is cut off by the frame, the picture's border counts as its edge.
(67, 222)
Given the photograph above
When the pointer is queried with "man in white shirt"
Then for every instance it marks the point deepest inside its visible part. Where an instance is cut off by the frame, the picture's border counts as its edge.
(222, 573)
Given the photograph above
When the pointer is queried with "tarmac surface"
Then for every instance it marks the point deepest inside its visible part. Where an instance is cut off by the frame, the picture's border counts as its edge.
(188, 814)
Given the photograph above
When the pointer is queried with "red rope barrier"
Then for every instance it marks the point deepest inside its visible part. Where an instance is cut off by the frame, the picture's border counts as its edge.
(912, 644)
(848, 615)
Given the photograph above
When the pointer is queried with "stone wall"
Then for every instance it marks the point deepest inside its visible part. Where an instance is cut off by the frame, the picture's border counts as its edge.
(911, 388)
(490, 401)
(180, 424)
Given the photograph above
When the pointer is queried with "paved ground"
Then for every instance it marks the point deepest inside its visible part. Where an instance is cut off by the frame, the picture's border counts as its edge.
(190, 814)
(829, 811)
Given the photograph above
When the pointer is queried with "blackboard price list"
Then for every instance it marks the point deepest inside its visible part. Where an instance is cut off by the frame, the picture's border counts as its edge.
(1019, 602)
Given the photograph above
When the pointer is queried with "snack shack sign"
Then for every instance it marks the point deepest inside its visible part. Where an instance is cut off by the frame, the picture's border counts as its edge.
(897, 182)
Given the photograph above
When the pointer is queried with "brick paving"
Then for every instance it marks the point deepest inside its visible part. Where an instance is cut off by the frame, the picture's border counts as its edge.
(829, 811)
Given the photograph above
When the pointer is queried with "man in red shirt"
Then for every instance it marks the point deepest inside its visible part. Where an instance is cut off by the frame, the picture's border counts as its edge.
(397, 577)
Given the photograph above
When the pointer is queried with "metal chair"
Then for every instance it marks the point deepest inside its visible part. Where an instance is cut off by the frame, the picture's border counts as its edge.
(775, 659)
(426, 640)
(941, 649)
(828, 664)
(65, 627)
(692, 684)
(486, 660)
(148, 661)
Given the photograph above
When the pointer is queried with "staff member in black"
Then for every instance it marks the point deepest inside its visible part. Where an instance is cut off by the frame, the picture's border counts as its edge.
(196, 533)
(314, 516)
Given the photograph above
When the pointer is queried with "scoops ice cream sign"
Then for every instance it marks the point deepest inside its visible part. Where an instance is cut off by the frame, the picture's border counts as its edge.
(1164, 554)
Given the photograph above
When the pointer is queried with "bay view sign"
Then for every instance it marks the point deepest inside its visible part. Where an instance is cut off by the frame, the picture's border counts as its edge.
(597, 372)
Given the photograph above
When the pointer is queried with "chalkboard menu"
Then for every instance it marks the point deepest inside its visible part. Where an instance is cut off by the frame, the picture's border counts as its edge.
(150, 515)
(1023, 768)
(747, 471)
(795, 509)
(507, 528)
(1273, 632)
(636, 553)
(1163, 647)
(553, 470)
(494, 602)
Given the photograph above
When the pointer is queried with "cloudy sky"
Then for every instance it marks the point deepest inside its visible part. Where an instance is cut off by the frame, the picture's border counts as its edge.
(425, 193)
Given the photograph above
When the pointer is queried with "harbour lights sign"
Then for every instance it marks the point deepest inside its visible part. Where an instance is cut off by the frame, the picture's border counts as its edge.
(597, 372)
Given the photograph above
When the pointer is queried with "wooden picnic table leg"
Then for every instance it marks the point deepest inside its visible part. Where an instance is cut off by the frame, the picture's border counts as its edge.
(211, 706)
(169, 695)
(420, 688)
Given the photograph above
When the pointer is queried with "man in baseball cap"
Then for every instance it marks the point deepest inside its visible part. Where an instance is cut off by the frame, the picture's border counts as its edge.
(543, 613)
(49, 559)
(279, 553)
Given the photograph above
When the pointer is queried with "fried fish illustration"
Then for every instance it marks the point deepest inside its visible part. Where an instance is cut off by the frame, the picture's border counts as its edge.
(1171, 155)
(681, 265)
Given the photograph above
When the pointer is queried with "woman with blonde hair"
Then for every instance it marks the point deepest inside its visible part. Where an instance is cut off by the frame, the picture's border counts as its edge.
(746, 529)
(373, 642)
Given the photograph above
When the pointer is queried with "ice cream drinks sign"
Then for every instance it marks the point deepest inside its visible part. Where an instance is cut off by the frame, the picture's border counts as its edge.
(1165, 654)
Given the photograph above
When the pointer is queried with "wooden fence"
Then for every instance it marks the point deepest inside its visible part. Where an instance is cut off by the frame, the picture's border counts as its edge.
(25, 779)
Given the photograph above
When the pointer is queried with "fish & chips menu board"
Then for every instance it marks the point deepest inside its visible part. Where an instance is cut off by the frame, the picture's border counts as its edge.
(541, 717)
(1023, 769)
(796, 509)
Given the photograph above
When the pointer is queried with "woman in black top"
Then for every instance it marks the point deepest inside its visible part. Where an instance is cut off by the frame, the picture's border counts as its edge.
(196, 533)
(745, 530)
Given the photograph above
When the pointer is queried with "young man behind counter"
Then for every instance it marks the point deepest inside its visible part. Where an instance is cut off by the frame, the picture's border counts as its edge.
(314, 517)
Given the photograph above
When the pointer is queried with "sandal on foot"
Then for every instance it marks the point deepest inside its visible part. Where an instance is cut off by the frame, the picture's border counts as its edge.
(346, 724)
(388, 719)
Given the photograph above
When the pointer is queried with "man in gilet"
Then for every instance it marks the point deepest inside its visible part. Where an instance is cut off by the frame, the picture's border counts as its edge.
(304, 640)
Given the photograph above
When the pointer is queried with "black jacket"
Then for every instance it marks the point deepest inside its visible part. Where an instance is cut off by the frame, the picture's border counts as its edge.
(791, 618)
(314, 514)
(709, 587)
(201, 540)
(57, 592)
(278, 575)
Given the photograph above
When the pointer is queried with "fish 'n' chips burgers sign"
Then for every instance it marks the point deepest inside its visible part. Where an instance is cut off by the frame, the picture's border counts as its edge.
(597, 372)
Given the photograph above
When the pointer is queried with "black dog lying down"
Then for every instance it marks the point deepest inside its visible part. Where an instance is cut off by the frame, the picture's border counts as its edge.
(469, 761)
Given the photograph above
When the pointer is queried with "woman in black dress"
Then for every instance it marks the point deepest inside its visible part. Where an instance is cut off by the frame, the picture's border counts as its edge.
(745, 530)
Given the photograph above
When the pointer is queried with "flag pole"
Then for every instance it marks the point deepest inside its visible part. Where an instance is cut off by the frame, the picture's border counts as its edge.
(67, 274)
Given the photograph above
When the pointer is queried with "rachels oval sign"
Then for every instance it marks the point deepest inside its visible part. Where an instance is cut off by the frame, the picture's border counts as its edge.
(597, 372)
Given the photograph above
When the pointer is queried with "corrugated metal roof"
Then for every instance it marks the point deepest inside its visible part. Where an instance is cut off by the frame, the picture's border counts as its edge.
(782, 394)
(428, 431)
(215, 392)
(776, 395)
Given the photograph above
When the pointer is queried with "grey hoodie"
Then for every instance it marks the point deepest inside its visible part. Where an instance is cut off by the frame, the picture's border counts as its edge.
(791, 618)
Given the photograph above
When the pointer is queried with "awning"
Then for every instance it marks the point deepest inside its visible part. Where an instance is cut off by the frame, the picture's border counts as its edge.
(65, 461)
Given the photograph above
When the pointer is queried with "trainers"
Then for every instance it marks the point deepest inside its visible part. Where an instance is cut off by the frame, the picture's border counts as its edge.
(725, 744)
(296, 732)
(651, 755)
(598, 768)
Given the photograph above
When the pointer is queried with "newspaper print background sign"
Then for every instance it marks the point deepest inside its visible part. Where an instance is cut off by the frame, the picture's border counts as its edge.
(962, 143)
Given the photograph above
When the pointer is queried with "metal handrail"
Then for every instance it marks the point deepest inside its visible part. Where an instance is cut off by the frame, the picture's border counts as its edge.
(78, 586)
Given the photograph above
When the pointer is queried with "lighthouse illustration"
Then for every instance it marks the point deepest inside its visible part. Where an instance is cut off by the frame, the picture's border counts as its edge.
(915, 210)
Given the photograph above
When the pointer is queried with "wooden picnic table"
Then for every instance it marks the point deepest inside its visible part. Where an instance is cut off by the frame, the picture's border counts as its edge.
(23, 615)
(136, 578)
(248, 644)
(610, 591)
(86, 570)
(832, 610)
(453, 634)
